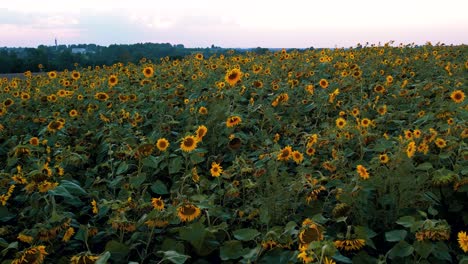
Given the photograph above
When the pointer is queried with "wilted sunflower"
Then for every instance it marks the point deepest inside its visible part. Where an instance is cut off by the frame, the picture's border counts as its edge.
(162, 144)
(83, 258)
(157, 203)
(457, 96)
(216, 169)
(362, 171)
(350, 244)
(189, 143)
(34, 255)
(188, 212)
(233, 76)
(54, 126)
(148, 71)
(233, 121)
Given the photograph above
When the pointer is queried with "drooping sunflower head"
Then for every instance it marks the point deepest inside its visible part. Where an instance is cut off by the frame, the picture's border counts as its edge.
(201, 132)
(362, 171)
(233, 121)
(157, 203)
(188, 212)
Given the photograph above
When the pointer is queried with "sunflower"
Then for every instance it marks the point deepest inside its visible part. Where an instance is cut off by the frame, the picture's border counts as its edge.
(382, 110)
(310, 151)
(202, 110)
(457, 96)
(68, 234)
(362, 171)
(148, 71)
(233, 121)
(101, 96)
(25, 238)
(52, 74)
(189, 143)
(8, 102)
(201, 132)
(417, 133)
(285, 153)
(384, 158)
(199, 56)
(327, 260)
(157, 203)
(340, 122)
(389, 79)
(463, 241)
(379, 89)
(113, 80)
(34, 141)
(365, 122)
(297, 156)
(83, 259)
(162, 144)
(350, 244)
(233, 76)
(94, 206)
(305, 257)
(188, 212)
(75, 75)
(34, 255)
(216, 169)
(323, 83)
(411, 149)
(73, 113)
(54, 126)
(440, 143)
(310, 233)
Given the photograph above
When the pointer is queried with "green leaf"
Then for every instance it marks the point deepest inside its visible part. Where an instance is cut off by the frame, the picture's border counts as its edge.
(72, 187)
(13, 245)
(159, 187)
(152, 161)
(117, 250)
(424, 166)
(5, 215)
(137, 181)
(340, 258)
(395, 235)
(319, 219)
(175, 165)
(123, 167)
(246, 234)
(231, 250)
(196, 158)
(174, 256)
(406, 221)
(423, 248)
(103, 258)
(401, 249)
(202, 240)
(441, 251)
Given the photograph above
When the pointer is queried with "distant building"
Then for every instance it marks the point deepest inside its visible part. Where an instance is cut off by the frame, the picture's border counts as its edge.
(78, 50)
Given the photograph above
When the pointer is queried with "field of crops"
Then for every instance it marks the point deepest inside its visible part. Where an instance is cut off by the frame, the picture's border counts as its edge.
(320, 156)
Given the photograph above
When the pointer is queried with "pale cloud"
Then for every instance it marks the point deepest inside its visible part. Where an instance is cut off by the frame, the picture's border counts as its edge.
(241, 23)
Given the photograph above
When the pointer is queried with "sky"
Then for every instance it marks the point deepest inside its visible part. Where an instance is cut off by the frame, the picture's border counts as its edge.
(233, 24)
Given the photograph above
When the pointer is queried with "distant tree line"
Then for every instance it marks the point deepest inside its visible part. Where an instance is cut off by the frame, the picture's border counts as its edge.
(17, 60)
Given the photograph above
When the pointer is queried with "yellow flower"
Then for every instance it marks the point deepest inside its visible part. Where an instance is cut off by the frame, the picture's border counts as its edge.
(201, 132)
(188, 144)
(340, 122)
(285, 153)
(411, 149)
(457, 96)
(113, 80)
(233, 121)
(83, 259)
(383, 158)
(188, 212)
(202, 110)
(157, 203)
(34, 255)
(305, 257)
(297, 157)
(440, 143)
(362, 171)
(25, 238)
(233, 76)
(148, 71)
(463, 241)
(94, 205)
(162, 144)
(350, 244)
(216, 169)
(323, 83)
(68, 234)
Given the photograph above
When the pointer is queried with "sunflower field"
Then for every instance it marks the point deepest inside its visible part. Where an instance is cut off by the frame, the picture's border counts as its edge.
(355, 155)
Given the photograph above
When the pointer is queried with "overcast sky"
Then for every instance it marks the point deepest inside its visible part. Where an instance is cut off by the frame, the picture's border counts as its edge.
(235, 23)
